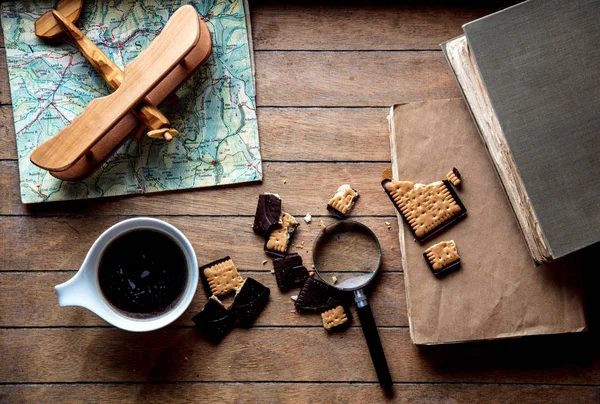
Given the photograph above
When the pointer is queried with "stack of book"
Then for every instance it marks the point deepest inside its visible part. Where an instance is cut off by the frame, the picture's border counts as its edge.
(531, 84)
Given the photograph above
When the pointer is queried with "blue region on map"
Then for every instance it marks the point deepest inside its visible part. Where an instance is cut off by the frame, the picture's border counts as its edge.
(216, 111)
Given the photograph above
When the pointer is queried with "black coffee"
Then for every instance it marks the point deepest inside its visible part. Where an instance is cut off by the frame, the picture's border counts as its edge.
(142, 273)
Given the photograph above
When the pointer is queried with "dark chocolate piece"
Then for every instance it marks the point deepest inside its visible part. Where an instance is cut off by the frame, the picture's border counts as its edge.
(249, 301)
(335, 212)
(268, 212)
(289, 271)
(317, 296)
(214, 319)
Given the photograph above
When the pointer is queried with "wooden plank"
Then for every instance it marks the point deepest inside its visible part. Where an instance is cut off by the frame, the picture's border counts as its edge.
(323, 134)
(297, 392)
(67, 240)
(34, 295)
(292, 134)
(285, 354)
(339, 79)
(8, 147)
(375, 25)
(304, 188)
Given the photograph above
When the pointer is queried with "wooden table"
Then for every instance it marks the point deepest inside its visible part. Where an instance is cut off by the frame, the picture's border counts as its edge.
(325, 75)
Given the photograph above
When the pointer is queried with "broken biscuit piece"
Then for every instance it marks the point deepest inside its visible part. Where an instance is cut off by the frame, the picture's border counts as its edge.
(279, 239)
(335, 318)
(425, 208)
(222, 276)
(442, 257)
(342, 201)
(454, 177)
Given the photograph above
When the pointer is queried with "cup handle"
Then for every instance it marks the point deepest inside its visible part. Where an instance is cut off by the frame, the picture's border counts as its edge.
(75, 292)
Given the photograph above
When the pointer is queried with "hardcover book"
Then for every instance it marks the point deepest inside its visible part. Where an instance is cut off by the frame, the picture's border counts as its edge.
(496, 292)
(530, 77)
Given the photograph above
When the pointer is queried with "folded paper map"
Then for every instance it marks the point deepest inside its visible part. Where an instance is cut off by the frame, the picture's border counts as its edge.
(216, 111)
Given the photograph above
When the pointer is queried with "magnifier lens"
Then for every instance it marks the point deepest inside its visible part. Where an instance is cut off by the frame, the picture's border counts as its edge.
(350, 252)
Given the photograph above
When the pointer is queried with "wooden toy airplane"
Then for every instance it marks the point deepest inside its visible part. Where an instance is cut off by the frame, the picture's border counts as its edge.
(106, 122)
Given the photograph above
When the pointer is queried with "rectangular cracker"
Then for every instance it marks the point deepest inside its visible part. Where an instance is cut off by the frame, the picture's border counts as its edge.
(222, 276)
(442, 256)
(425, 208)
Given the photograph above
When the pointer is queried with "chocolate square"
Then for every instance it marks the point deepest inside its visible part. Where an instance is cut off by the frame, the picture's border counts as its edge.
(316, 295)
(268, 212)
(289, 271)
(249, 301)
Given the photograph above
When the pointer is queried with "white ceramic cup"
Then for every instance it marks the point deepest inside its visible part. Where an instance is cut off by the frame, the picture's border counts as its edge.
(84, 288)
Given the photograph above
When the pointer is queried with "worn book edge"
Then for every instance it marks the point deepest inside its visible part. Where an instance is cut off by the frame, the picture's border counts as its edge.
(465, 71)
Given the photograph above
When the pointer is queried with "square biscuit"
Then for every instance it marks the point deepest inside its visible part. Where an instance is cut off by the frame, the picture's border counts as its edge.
(425, 208)
(334, 318)
(442, 255)
(222, 276)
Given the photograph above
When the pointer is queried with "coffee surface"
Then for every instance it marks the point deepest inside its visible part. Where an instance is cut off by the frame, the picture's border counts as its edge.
(142, 273)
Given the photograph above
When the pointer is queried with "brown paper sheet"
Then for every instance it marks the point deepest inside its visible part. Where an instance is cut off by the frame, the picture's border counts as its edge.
(498, 292)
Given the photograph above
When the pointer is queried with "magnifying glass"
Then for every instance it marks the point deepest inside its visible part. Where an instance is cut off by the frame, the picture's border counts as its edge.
(347, 256)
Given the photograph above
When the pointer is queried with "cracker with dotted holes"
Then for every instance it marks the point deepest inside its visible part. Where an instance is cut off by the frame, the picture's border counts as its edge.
(442, 255)
(342, 201)
(454, 177)
(425, 208)
(334, 318)
(279, 238)
(222, 276)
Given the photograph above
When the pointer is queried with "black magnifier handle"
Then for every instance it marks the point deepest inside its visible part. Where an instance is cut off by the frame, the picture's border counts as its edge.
(369, 328)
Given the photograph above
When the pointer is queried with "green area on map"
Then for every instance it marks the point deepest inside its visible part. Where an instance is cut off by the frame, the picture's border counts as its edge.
(216, 112)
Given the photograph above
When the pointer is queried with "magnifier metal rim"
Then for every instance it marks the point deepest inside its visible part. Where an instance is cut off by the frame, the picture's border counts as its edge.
(353, 223)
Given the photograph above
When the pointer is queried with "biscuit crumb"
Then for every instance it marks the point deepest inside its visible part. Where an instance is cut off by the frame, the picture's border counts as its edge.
(334, 279)
(389, 225)
(285, 181)
(265, 262)
(308, 218)
(322, 224)
(300, 246)
(294, 297)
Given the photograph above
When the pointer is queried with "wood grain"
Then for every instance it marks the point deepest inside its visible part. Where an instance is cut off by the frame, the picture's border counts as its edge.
(292, 134)
(8, 146)
(272, 354)
(375, 25)
(338, 78)
(304, 188)
(68, 239)
(33, 293)
(299, 392)
(351, 78)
